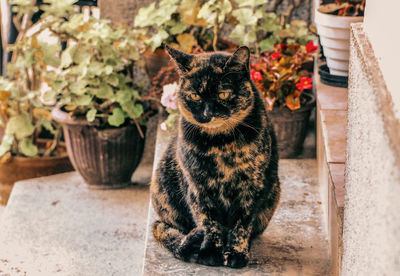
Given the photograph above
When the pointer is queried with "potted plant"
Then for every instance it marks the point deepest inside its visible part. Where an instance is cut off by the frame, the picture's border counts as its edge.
(333, 23)
(30, 146)
(187, 25)
(98, 102)
(283, 79)
(24, 154)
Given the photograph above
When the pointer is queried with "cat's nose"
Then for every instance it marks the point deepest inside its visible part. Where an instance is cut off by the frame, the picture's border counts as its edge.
(208, 111)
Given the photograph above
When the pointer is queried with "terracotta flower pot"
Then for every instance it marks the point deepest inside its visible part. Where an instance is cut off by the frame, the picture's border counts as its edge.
(20, 168)
(105, 158)
(291, 127)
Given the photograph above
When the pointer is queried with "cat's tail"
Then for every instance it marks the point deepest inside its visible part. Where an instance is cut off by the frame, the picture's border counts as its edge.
(184, 247)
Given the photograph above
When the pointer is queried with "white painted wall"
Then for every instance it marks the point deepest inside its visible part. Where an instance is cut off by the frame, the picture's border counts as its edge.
(371, 234)
(382, 25)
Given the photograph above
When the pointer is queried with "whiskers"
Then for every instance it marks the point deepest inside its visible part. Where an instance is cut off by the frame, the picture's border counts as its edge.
(245, 124)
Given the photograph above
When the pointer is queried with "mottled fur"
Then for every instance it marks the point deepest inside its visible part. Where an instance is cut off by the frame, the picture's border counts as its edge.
(217, 186)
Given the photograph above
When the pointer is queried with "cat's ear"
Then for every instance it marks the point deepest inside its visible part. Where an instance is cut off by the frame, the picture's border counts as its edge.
(181, 59)
(239, 61)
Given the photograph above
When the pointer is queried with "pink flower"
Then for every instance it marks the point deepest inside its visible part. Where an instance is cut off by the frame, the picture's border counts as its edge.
(170, 95)
(163, 126)
(255, 75)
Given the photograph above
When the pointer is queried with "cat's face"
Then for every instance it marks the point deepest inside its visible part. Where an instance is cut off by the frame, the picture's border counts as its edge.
(215, 89)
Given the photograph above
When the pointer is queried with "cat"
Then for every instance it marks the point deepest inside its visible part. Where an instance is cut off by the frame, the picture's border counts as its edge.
(216, 187)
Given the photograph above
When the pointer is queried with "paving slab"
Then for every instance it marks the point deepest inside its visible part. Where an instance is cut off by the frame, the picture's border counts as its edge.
(56, 225)
(295, 242)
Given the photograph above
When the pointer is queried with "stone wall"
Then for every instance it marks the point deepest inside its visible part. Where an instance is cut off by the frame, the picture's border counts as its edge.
(122, 10)
(125, 10)
(371, 216)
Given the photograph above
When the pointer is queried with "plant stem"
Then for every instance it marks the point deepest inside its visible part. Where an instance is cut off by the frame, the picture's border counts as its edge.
(139, 128)
(54, 144)
(216, 32)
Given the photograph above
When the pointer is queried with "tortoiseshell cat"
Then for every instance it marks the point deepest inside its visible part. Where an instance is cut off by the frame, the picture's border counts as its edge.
(217, 186)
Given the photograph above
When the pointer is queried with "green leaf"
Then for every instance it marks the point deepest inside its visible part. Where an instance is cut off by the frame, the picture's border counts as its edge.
(245, 16)
(59, 84)
(268, 43)
(134, 110)
(113, 80)
(142, 18)
(251, 3)
(47, 125)
(81, 56)
(78, 87)
(177, 28)
(250, 37)
(83, 100)
(270, 23)
(138, 110)
(49, 95)
(123, 96)
(28, 148)
(66, 58)
(117, 118)
(20, 126)
(108, 69)
(105, 91)
(50, 54)
(6, 144)
(238, 34)
(212, 8)
(95, 68)
(157, 39)
(91, 115)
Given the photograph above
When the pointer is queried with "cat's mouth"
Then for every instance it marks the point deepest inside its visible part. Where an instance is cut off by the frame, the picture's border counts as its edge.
(215, 123)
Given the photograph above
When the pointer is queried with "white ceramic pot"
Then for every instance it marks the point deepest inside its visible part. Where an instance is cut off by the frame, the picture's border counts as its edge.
(334, 32)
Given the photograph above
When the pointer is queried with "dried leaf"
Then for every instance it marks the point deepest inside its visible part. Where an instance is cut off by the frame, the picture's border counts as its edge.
(4, 95)
(186, 42)
(41, 112)
(331, 8)
(70, 107)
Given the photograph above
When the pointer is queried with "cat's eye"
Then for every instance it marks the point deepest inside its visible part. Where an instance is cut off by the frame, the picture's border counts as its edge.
(195, 97)
(224, 95)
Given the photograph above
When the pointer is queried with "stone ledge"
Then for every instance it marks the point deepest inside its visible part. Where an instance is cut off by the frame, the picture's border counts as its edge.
(330, 97)
(334, 124)
(57, 226)
(331, 129)
(295, 242)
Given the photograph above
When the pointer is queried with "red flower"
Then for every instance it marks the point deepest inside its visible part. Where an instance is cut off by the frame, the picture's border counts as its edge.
(304, 83)
(311, 47)
(283, 46)
(255, 75)
(275, 55)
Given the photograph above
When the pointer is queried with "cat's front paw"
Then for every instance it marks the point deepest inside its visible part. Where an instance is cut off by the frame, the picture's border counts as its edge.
(211, 252)
(236, 259)
(190, 246)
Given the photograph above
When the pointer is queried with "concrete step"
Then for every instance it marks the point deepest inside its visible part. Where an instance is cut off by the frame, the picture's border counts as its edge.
(295, 243)
(57, 226)
(331, 156)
